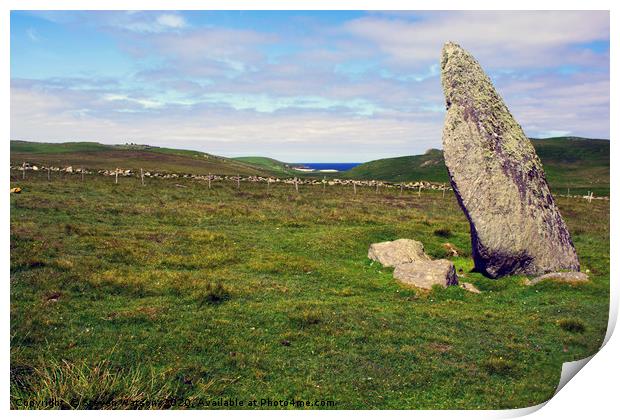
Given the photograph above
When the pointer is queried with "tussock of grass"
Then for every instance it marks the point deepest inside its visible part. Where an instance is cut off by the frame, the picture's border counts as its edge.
(499, 366)
(209, 259)
(121, 282)
(346, 292)
(66, 385)
(572, 325)
(306, 317)
(141, 314)
(443, 232)
(282, 264)
(212, 294)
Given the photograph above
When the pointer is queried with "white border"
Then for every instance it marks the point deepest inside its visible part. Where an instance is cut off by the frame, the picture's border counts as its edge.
(592, 394)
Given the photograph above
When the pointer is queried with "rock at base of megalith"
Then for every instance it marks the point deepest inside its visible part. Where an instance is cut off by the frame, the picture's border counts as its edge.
(400, 251)
(562, 277)
(469, 287)
(426, 274)
(516, 227)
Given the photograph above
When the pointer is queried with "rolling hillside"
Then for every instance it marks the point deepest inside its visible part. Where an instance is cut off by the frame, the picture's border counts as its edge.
(428, 167)
(570, 162)
(100, 156)
(273, 165)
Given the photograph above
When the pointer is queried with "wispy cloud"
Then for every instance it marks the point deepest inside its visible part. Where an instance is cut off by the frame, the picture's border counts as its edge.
(513, 39)
(146, 22)
(168, 20)
(33, 35)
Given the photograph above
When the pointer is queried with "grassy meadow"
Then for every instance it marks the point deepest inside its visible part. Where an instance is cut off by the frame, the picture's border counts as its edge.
(176, 295)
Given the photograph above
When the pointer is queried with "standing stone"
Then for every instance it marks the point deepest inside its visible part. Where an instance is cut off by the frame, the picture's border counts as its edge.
(498, 179)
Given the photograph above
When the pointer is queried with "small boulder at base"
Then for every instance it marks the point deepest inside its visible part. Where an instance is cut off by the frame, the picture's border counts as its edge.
(450, 249)
(469, 287)
(400, 251)
(426, 274)
(563, 277)
(498, 179)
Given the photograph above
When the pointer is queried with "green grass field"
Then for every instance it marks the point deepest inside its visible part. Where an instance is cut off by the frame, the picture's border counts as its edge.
(125, 296)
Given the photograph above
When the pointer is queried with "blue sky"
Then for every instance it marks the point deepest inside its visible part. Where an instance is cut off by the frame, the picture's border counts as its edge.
(296, 86)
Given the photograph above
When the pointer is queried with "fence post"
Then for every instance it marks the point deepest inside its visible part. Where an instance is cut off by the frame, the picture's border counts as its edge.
(269, 183)
(48, 173)
(24, 170)
(116, 176)
(209, 178)
(419, 189)
(324, 183)
(238, 181)
(377, 187)
(401, 189)
(443, 191)
(296, 186)
(142, 176)
(82, 173)
(354, 188)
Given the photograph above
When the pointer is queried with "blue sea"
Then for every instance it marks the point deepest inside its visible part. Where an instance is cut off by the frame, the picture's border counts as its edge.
(323, 166)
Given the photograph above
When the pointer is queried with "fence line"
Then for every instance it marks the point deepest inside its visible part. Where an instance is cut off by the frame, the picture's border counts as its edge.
(402, 186)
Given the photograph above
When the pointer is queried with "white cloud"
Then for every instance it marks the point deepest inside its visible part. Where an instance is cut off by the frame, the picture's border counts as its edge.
(551, 133)
(270, 103)
(171, 21)
(320, 135)
(144, 22)
(33, 34)
(232, 47)
(497, 38)
(146, 103)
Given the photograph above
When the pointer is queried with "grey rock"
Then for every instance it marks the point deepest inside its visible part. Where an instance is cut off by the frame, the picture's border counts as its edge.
(564, 277)
(469, 287)
(498, 180)
(426, 274)
(400, 251)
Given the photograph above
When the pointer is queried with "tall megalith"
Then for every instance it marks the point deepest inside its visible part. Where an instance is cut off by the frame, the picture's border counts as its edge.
(498, 179)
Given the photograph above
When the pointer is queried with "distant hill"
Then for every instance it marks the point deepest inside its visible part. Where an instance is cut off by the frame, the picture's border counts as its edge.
(129, 156)
(427, 167)
(272, 165)
(18, 146)
(570, 162)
